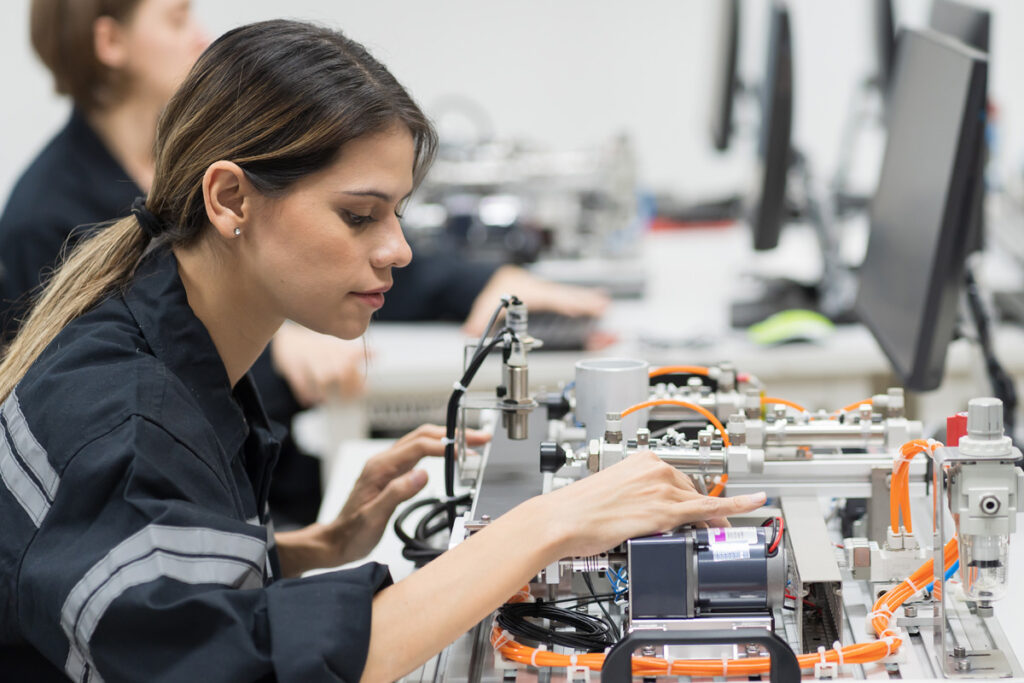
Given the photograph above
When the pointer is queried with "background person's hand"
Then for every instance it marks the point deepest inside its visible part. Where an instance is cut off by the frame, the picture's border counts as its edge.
(538, 295)
(316, 365)
(637, 497)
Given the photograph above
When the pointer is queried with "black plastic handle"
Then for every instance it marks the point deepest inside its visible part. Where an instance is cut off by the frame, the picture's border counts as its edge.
(618, 664)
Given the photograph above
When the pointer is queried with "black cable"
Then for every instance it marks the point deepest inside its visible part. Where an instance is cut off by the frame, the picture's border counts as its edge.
(578, 601)
(1002, 383)
(453, 414)
(593, 593)
(416, 546)
(590, 633)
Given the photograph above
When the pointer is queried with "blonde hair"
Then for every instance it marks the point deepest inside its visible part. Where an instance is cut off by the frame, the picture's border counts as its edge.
(278, 98)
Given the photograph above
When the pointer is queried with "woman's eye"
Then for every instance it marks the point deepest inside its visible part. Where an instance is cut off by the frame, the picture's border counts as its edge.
(355, 219)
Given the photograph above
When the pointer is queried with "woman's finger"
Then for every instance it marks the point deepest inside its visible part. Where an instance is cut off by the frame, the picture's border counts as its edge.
(707, 507)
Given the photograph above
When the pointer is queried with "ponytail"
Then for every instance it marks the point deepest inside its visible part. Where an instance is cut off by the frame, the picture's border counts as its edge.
(103, 262)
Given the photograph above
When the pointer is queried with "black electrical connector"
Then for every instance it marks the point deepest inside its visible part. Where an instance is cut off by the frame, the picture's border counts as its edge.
(557, 404)
(552, 456)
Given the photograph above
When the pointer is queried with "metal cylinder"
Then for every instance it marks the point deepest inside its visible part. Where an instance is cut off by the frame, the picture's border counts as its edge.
(606, 385)
(834, 435)
(691, 461)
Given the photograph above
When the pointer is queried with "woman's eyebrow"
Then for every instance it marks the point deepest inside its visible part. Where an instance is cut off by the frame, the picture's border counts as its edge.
(373, 193)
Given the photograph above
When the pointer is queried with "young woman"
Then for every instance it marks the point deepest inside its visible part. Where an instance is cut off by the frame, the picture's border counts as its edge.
(135, 456)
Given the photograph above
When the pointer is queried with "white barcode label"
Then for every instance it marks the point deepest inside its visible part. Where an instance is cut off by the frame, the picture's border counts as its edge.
(746, 535)
(730, 551)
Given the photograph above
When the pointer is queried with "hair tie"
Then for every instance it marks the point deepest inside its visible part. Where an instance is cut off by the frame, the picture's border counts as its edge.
(148, 221)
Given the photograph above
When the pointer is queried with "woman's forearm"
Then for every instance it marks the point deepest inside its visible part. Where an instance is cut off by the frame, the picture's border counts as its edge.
(417, 617)
(303, 549)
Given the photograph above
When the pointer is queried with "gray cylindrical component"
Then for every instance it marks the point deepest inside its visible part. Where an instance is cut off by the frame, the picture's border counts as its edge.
(737, 575)
(691, 461)
(606, 385)
(985, 418)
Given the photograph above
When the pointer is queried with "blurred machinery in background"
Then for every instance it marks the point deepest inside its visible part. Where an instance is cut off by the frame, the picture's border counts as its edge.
(513, 202)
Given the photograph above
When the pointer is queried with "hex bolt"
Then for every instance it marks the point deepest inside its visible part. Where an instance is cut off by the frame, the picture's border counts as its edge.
(960, 652)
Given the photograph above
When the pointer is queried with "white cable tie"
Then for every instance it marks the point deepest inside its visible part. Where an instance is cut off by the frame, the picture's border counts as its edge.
(889, 641)
(910, 583)
(446, 441)
(837, 646)
(880, 612)
(457, 385)
(572, 660)
(533, 657)
(502, 639)
(725, 665)
(671, 663)
(821, 654)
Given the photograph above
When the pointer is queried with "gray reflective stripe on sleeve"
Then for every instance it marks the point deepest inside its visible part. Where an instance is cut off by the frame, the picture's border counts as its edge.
(268, 529)
(20, 484)
(75, 666)
(79, 669)
(28, 448)
(154, 552)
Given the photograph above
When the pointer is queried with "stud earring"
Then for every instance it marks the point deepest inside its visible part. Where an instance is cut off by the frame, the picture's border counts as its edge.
(238, 231)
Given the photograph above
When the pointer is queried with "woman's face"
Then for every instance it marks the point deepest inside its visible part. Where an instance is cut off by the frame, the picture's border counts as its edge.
(162, 41)
(323, 253)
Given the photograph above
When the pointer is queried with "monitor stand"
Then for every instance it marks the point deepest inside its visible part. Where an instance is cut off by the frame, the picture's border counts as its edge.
(834, 294)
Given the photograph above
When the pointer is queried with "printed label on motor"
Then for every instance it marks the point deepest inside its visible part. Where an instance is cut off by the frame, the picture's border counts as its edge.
(746, 535)
(730, 551)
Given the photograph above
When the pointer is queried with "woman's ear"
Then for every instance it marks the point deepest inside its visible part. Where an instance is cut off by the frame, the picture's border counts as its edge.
(108, 42)
(228, 196)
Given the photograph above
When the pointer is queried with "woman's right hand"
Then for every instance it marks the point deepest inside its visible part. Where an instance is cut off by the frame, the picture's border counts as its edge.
(639, 496)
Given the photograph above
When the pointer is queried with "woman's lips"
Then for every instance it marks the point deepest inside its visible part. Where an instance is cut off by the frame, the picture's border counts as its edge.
(372, 299)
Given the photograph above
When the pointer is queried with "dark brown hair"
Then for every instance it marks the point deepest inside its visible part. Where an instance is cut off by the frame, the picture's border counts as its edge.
(62, 35)
(278, 98)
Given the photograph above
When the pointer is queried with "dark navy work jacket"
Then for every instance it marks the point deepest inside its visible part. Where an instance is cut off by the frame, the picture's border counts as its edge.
(133, 536)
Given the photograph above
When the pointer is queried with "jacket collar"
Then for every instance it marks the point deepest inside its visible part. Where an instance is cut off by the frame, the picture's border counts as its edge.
(158, 302)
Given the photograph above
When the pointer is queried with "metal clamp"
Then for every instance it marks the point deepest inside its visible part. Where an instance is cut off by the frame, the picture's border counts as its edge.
(618, 664)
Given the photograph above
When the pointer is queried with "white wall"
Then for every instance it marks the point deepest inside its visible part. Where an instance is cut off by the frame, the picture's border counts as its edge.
(571, 73)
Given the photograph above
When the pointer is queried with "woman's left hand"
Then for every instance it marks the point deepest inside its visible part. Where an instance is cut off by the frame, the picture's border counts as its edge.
(387, 480)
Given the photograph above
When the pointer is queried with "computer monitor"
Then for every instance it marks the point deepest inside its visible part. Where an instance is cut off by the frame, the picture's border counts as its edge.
(725, 80)
(920, 215)
(774, 149)
(967, 23)
(971, 25)
(885, 42)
